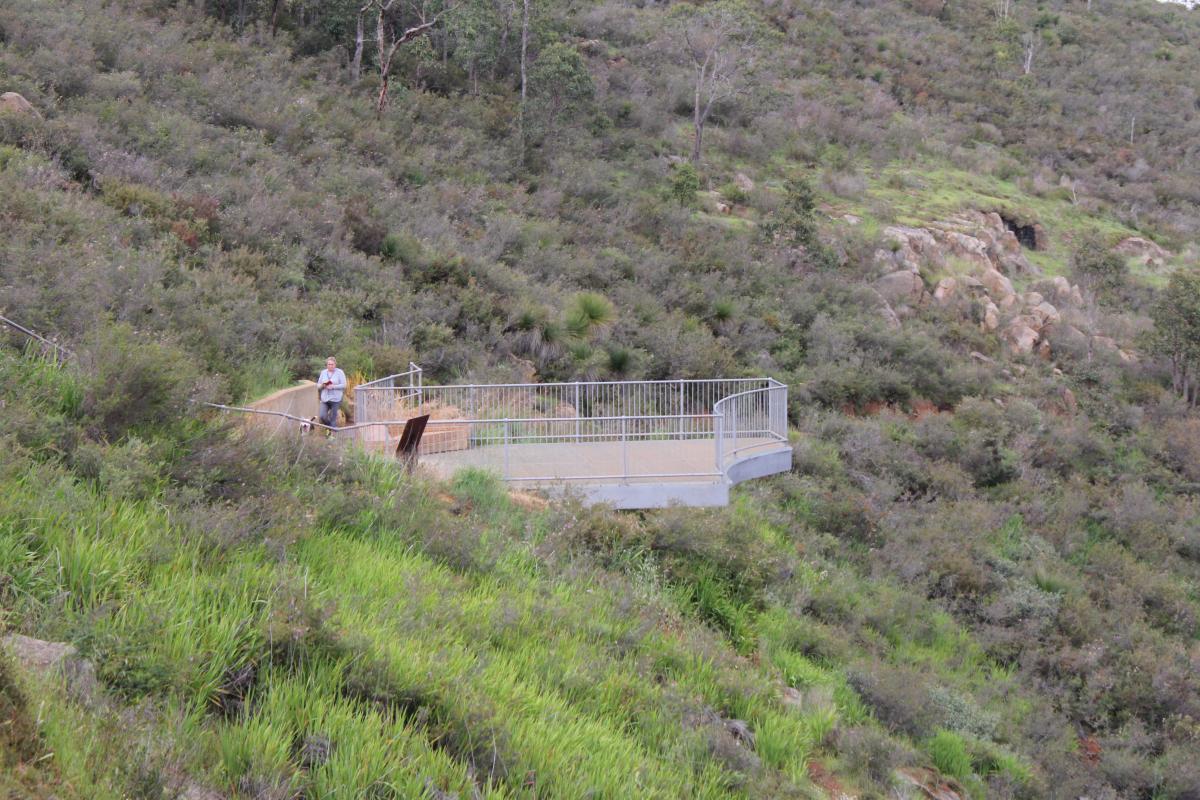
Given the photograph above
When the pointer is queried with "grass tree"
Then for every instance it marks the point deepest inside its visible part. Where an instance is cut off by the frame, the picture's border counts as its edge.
(589, 312)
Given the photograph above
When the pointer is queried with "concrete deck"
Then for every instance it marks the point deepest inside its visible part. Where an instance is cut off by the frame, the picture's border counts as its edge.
(659, 472)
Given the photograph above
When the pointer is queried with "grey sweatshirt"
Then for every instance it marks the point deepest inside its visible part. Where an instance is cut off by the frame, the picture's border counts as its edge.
(332, 393)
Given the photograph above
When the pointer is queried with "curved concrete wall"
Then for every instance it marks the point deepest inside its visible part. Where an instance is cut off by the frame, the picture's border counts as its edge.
(299, 401)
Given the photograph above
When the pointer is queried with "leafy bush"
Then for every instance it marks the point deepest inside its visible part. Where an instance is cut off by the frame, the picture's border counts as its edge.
(135, 382)
(949, 754)
(685, 183)
(1098, 267)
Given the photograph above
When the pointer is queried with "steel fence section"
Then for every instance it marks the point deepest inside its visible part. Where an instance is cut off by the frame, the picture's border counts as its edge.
(497, 422)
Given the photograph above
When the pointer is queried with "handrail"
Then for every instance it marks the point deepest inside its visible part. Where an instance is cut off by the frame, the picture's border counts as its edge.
(776, 416)
(58, 348)
(413, 370)
(560, 384)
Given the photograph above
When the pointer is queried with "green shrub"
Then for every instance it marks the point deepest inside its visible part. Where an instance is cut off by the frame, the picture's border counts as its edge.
(949, 754)
(134, 382)
(734, 193)
(400, 247)
(1097, 266)
(685, 183)
(8, 154)
(135, 200)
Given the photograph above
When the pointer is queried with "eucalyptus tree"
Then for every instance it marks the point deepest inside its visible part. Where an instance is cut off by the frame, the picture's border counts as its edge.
(397, 22)
(721, 43)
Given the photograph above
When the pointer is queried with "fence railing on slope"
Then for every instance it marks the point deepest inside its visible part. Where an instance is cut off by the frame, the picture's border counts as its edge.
(48, 347)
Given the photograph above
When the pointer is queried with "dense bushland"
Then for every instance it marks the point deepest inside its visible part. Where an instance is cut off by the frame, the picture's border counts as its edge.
(980, 564)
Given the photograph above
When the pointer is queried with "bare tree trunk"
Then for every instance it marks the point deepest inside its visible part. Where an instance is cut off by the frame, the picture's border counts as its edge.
(524, 75)
(504, 34)
(275, 16)
(356, 63)
(699, 117)
(382, 101)
(524, 49)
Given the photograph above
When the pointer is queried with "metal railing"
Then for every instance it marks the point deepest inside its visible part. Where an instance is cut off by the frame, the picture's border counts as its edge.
(500, 426)
(750, 420)
(389, 398)
(47, 347)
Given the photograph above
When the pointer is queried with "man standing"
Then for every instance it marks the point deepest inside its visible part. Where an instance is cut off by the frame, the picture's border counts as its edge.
(331, 383)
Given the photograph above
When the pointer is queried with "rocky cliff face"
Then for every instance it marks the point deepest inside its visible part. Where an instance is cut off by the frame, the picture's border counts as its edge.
(984, 253)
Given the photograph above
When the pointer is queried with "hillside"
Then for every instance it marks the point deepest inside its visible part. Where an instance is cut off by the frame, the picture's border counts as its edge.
(963, 233)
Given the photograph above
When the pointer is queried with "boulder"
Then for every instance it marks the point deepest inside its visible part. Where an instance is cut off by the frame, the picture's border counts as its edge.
(1062, 289)
(11, 102)
(1000, 244)
(1032, 298)
(998, 286)
(1041, 240)
(743, 182)
(1021, 335)
(1146, 252)
(968, 248)
(981, 358)
(37, 655)
(981, 239)
(1045, 314)
(1105, 344)
(901, 288)
(46, 658)
(928, 784)
(991, 317)
(1067, 402)
(910, 249)
(1068, 337)
(946, 289)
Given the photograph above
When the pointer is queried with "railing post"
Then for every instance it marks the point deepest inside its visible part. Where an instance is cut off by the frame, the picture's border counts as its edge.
(506, 453)
(719, 428)
(735, 426)
(681, 409)
(576, 413)
(624, 450)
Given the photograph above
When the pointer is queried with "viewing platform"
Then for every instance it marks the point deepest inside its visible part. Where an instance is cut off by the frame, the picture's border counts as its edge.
(632, 444)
